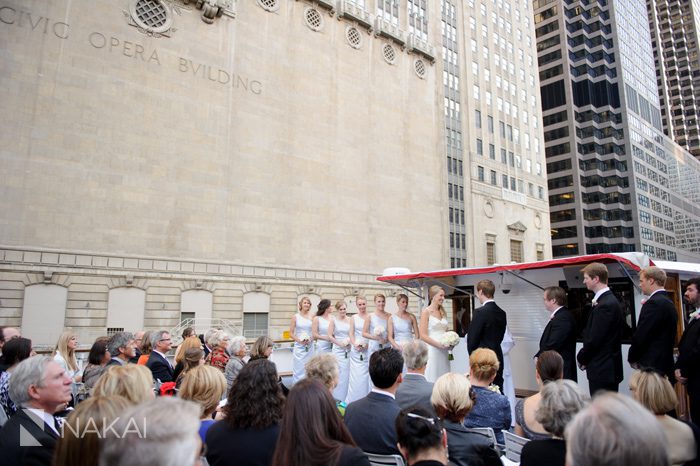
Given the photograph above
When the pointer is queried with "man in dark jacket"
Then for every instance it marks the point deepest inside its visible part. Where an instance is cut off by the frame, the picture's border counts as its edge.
(653, 341)
(601, 355)
(488, 326)
(688, 364)
(372, 420)
(560, 333)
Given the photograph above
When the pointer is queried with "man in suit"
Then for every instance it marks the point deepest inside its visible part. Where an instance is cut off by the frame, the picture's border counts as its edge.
(158, 361)
(371, 420)
(415, 390)
(655, 337)
(601, 355)
(121, 347)
(40, 387)
(688, 364)
(560, 333)
(488, 326)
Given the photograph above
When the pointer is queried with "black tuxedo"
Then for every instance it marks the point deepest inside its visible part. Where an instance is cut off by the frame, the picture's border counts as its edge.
(653, 341)
(560, 335)
(371, 422)
(486, 331)
(161, 368)
(37, 440)
(602, 344)
(689, 364)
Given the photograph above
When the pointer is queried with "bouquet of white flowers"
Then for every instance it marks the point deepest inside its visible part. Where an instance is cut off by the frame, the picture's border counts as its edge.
(379, 331)
(305, 339)
(344, 344)
(362, 343)
(494, 388)
(450, 339)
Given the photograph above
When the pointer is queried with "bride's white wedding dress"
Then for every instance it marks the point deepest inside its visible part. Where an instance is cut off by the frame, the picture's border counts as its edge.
(438, 362)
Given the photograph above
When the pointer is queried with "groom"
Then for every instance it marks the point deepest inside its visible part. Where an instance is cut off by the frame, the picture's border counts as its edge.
(488, 326)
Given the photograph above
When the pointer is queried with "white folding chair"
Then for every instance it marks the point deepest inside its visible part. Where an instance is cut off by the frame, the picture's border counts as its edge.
(514, 445)
(385, 460)
(488, 431)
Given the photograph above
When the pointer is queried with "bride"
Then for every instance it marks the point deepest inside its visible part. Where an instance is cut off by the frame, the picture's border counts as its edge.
(433, 324)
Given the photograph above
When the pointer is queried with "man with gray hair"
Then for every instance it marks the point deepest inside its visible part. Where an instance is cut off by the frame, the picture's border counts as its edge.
(164, 431)
(121, 347)
(615, 430)
(415, 389)
(158, 360)
(40, 387)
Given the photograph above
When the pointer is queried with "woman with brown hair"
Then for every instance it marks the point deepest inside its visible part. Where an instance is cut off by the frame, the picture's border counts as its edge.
(250, 428)
(187, 343)
(146, 348)
(262, 348)
(312, 432)
(79, 444)
(98, 358)
(194, 357)
(549, 367)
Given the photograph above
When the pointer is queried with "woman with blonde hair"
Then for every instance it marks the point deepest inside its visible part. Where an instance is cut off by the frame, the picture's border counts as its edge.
(146, 348)
(187, 343)
(79, 444)
(262, 348)
(359, 360)
(453, 399)
(433, 325)
(375, 329)
(655, 393)
(491, 408)
(206, 386)
(133, 382)
(65, 355)
(339, 333)
(300, 331)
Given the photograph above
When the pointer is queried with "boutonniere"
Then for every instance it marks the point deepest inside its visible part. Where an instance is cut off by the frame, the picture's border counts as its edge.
(644, 301)
(594, 303)
(695, 315)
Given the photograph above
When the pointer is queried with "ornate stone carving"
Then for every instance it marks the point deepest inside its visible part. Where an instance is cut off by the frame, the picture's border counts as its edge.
(212, 9)
(517, 228)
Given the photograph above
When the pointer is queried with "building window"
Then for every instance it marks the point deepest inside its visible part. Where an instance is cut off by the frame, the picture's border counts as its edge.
(490, 253)
(480, 173)
(254, 324)
(494, 179)
(540, 251)
(516, 250)
(479, 147)
(477, 118)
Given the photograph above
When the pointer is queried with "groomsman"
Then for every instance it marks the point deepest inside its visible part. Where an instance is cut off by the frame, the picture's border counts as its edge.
(653, 341)
(488, 326)
(688, 363)
(560, 333)
(601, 355)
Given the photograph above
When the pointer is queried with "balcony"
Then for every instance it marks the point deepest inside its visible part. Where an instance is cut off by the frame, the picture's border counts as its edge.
(384, 28)
(417, 45)
(349, 10)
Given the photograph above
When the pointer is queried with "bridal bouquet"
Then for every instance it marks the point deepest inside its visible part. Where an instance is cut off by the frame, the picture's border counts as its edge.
(305, 339)
(450, 339)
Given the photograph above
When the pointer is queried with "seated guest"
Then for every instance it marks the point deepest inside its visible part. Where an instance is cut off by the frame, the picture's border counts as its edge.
(491, 409)
(324, 368)
(187, 343)
(238, 350)
(560, 401)
(79, 444)
(145, 348)
(133, 382)
(121, 348)
(371, 419)
(262, 348)
(97, 362)
(158, 361)
(656, 394)
(421, 438)
(138, 342)
(312, 433)
(15, 351)
(615, 430)
(452, 401)
(194, 357)
(549, 367)
(218, 342)
(64, 355)
(248, 433)
(41, 387)
(205, 386)
(158, 432)
(415, 390)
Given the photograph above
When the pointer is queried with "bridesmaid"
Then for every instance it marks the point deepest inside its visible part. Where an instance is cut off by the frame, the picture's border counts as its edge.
(359, 362)
(319, 328)
(300, 331)
(375, 329)
(403, 326)
(339, 333)
(433, 324)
